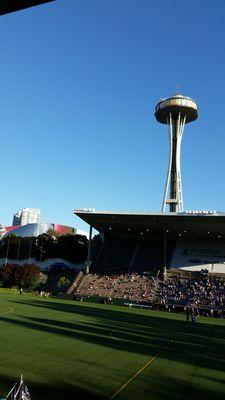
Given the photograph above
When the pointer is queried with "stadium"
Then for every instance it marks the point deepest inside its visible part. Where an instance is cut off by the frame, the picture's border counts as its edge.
(151, 242)
(144, 316)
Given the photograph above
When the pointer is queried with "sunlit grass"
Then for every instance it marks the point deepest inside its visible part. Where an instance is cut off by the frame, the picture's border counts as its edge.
(67, 349)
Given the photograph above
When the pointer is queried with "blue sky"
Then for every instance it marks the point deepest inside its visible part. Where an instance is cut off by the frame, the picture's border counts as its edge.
(79, 81)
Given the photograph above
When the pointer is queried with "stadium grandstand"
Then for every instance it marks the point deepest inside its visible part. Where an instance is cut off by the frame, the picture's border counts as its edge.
(157, 241)
(166, 261)
(201, 291)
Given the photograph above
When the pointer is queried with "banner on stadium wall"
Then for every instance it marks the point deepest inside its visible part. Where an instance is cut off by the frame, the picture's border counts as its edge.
(196, 256)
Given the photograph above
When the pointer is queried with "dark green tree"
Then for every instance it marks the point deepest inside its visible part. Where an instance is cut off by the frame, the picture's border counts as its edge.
(48, 245)
(44, 247)
(25, 276)
(63, 282)
(72, 248)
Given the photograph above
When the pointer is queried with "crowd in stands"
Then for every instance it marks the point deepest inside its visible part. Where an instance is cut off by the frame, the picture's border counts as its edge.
(131, 286)
(206, 292)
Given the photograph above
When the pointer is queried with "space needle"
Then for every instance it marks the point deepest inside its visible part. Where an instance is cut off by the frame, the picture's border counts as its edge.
(175, 111)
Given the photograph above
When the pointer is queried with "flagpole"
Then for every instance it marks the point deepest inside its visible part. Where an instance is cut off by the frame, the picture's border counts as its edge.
(21, 382)
(10, 391)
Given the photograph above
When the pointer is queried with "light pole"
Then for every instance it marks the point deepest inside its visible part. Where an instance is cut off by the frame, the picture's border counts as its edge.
(18, 251)
(7, 250)
(31, 240)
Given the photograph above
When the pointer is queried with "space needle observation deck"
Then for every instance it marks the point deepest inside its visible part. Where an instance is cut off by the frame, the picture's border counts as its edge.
(175, 111)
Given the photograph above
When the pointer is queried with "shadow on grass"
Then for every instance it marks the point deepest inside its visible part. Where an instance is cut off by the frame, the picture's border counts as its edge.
(93, 332)
(199, 348)
(160, 387)
(135, 333)
(89, 310)
(52, 391)
(189, 348)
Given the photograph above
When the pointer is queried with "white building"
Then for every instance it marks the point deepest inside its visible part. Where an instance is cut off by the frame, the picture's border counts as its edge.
(27, 216)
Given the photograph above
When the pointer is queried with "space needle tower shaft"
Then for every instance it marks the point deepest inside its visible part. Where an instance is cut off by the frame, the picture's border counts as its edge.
(175, 111)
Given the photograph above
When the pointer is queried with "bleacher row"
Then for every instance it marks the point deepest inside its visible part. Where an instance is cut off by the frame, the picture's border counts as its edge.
(132, 286)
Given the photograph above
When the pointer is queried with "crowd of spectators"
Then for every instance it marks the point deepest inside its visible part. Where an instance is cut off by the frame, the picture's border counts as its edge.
(207, 292)
(132, 286)
(204, 294)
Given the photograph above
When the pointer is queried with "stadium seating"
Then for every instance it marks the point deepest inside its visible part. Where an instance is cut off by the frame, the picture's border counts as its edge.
(202, 291)
(123, 286)
(206, 291)
(75, 283)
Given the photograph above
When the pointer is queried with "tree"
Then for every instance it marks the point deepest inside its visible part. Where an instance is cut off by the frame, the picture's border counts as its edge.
(17, 248)
(72, 247)
(25, 276)
(53, 234)
(63, 281)
(45, 247)
(9, 245)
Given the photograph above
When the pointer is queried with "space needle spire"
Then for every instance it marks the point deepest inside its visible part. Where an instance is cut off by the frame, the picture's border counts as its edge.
(175, 111)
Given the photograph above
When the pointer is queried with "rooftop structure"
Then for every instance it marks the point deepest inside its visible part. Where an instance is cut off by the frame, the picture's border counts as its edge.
(27, 216)
(175, 111)
(191, 225)
(7, 6)
(35, 229)
(147, 241)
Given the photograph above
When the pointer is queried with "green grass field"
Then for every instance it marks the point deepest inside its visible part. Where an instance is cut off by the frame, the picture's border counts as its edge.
(74, 350)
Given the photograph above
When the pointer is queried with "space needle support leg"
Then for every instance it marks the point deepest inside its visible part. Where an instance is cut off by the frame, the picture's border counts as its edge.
(181, 135)
(170, 131)
(178, 180)
(180, 129)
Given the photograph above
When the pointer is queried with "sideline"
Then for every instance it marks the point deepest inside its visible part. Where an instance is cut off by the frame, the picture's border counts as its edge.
(147, 364)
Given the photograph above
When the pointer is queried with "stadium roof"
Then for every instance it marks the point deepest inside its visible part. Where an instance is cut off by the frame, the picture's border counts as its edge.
(7, 6)
(201, 225)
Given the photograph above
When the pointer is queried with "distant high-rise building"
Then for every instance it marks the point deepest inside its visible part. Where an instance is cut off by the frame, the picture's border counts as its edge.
(27, 216)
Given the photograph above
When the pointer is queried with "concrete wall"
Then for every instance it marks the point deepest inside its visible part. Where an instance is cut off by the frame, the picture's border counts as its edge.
(194, 256)
(44, 265)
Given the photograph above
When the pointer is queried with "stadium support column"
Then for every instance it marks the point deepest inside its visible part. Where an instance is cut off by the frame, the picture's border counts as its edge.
(89, 251)
(164, 255)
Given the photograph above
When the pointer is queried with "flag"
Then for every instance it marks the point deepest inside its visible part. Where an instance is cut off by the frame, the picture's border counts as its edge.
(19, 391)
(22, 392)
